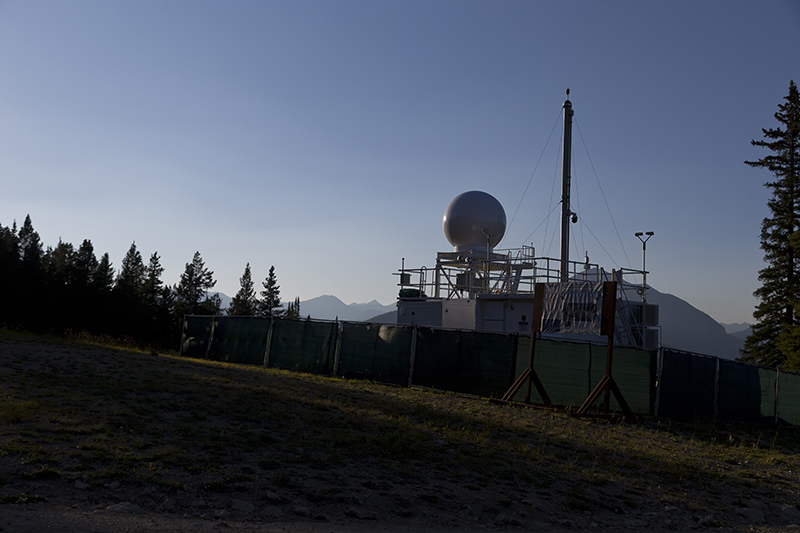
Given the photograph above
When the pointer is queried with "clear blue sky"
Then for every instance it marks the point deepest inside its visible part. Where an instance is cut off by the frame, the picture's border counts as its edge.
(327, 137)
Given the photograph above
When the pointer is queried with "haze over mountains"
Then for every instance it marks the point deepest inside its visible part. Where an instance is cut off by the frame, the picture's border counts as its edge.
(329, 307)
(683, 327)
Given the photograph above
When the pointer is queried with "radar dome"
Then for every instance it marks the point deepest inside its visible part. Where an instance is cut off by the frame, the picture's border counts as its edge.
(472, 217)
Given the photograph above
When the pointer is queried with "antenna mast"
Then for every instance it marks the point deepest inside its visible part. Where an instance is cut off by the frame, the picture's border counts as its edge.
(566, 212)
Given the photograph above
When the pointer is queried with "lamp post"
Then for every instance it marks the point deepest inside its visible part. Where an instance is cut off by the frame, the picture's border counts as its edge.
(644, 240)
(489, 233)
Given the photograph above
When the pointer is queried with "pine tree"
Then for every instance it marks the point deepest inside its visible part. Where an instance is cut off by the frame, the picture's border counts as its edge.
(270, 304)
(293, 309)
(193, 286)
(152, 284)
(30, 247)
(32, 296)
(83, 295)
(158, 304)
(9, 274)
(101, 314)
(130, 280)
(85, 264)
(245, 303)
(58, 267)
(775, 340)
(103, 278)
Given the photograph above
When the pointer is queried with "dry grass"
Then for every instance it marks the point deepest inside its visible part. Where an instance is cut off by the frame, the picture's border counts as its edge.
(108, 417)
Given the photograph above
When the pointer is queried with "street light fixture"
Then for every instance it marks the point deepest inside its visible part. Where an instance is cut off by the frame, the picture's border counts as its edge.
(489, 234)
(644, 237)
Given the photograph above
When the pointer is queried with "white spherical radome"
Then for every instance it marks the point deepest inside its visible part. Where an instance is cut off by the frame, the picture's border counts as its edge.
(470, 218)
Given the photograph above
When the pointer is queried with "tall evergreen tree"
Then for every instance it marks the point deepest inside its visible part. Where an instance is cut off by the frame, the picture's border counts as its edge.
(245, 303)
(192, 289)
(293, 309)
(58, 267)
(31, 286)
(103, 278)
(775, 340)
(152, 284)
(85, 264)
(83, 295)
(270, 305)
(9, 274)
(30, 247)
(131, 278)
(158, 302)
(129, 308)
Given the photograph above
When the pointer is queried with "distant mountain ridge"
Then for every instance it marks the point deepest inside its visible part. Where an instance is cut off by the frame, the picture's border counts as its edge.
(329, 307)
(686, 328)
(732, 329)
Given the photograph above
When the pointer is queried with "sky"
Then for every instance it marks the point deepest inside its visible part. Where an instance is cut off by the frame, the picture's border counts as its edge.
(327, 138)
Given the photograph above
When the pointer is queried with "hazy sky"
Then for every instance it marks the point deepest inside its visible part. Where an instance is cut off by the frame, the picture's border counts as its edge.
(328, 137)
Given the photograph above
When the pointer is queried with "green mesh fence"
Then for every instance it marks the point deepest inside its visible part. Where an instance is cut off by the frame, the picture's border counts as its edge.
(196, 336)
(563, 368)
(303, 345)
(436, 358)
(687, 387)
(746, 393)
(634, 372)
(789, 398)
(570, 371)
(486, 364)
(376, 352)
(239, 339)
(464, 361)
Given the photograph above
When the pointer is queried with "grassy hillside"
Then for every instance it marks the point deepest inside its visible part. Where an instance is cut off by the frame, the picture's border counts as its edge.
(85, 427)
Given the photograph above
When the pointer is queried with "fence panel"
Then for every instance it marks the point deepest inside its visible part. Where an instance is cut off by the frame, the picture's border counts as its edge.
(436, 360)
(563, 367)
(196, 336)
(239, 339)
(303, 345)
(634, 372)
(464, 361)
(376, 352)
(687, 386)
(485, 365)
(789, 399)
(746, 393)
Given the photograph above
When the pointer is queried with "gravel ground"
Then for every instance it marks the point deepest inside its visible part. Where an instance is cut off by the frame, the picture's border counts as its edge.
(100, 439)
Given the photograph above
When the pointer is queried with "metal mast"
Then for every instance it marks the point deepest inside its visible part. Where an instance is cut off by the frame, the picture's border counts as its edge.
(566, 212)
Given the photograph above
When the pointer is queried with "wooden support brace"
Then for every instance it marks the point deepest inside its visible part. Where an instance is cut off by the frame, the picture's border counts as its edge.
(529, 375)
(607, 384)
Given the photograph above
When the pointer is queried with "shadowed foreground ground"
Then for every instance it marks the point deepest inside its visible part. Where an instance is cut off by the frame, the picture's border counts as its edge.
(100, 439)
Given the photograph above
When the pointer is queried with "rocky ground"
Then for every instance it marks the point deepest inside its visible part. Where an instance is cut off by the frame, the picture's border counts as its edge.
(101, 439)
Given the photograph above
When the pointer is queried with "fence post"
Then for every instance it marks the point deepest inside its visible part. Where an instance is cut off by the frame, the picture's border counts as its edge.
(716, 388)
(337, 347)
(514, 350)
(412, 355)
(659, 376)
(589, 383)
(777, 393)
(269, 342)
(211, 336)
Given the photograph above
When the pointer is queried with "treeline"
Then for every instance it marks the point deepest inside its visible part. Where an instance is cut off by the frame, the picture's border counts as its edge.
(65, 288)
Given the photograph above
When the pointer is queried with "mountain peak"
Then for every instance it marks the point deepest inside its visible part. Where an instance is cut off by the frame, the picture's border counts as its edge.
(328, 307)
